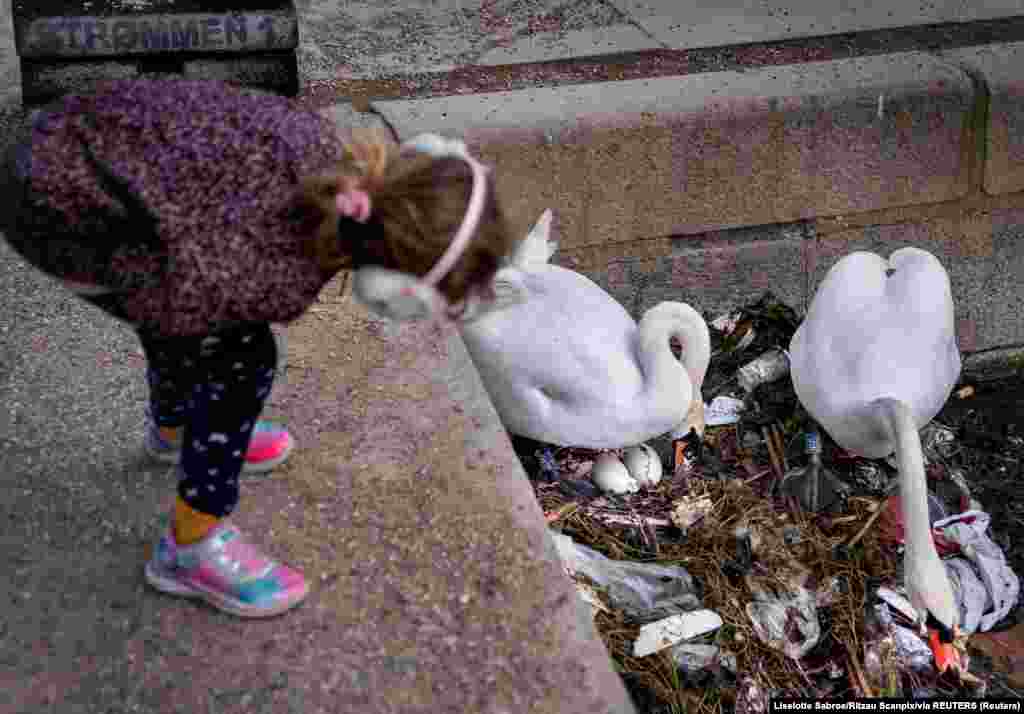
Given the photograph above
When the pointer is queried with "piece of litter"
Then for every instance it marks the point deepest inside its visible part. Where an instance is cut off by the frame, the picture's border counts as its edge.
(934, 440)
(644, 591)
(622, 519)
(688, 510)
(656, 636)
(786, 621)
(560, 512)
(589, 595)
(548, 465)
(686, 455)
(912, 652)
(898, 603)
(726, 323)
(723, 410)
(988, 587)
(965, 392)
(751, 697)
(693, 660)
(870, 476)
(770, 366)
(736, 331)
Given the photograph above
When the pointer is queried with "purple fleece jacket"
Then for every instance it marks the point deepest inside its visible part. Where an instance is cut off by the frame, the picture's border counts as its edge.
(215, 240)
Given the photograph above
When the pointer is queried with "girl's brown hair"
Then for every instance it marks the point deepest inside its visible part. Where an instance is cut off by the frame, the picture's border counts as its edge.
(418, 203)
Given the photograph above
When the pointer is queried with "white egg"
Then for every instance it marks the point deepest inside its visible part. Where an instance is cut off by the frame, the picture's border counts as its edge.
(643, 464)
(612, 476)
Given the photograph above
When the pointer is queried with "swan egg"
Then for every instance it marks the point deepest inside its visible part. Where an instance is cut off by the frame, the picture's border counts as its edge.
(612, 476)
(643, 465)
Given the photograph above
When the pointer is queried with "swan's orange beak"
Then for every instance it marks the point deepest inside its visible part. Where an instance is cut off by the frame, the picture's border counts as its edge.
(946, 654)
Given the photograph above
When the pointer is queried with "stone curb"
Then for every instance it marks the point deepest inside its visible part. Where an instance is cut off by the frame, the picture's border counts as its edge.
(711, 188)
(682, 155)
(996, 69)
(994, 364)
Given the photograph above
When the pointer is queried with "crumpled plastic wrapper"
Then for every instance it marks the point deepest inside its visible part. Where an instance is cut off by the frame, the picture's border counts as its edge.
(892, 649)
(983, 582)
(775, 616)
(698, 663)
(751, 697)
(936, 441)
(642, 591)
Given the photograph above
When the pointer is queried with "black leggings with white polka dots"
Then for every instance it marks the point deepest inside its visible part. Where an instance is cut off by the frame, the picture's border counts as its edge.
(215, 387)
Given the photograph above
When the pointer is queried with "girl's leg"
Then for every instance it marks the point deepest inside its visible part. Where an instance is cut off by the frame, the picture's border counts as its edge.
(172, 373)
(238, 372)
(203, 556)
(176, 367)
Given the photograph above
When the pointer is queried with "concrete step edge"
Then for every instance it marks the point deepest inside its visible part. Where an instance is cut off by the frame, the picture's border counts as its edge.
(681, 155)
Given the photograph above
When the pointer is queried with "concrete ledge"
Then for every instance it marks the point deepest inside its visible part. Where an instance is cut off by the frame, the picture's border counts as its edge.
(714, 188)
(982, 248)
(983, 251)
(998, 67)
(439, 587)
(435, 586)
(690, 154)
(995, 364)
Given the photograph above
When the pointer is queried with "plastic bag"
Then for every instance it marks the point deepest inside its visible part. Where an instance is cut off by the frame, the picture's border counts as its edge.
(985, 585)
(786, 621)
(643, 591)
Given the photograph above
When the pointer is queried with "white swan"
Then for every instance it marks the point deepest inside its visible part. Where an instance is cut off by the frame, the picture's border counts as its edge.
(873, 362)
(564, 363)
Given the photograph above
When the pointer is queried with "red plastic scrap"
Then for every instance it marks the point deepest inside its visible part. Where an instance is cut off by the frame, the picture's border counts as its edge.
(891, 530)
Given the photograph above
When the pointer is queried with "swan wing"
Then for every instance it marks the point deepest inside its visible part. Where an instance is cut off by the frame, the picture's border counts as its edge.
(876, 329)
(561, 366)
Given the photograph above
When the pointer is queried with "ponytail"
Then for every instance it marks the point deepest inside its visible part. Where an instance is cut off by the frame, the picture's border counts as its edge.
(418, 203)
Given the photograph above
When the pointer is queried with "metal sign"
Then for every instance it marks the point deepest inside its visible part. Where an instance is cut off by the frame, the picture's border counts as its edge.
(158, 33)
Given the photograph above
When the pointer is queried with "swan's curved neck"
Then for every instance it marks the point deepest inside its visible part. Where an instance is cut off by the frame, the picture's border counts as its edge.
(659, 366)
(913, 485)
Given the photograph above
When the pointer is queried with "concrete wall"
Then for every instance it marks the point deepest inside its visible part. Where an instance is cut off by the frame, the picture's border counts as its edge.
(713, 188)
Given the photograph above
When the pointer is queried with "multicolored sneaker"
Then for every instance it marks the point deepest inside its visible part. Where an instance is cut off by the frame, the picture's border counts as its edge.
(227, 571)
(270, 446)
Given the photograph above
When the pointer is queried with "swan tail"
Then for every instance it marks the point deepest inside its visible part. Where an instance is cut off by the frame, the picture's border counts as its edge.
(537, 247)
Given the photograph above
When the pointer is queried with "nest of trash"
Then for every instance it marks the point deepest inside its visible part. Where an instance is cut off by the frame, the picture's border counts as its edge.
(712, 589)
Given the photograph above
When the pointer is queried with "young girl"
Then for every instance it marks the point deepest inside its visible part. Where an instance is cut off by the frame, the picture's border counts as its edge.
(199, 213)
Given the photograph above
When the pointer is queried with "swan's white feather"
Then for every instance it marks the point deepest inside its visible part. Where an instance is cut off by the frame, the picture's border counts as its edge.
(564, 363)
(874, 360)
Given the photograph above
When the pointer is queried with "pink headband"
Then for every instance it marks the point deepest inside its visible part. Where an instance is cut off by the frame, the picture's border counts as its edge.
(440, 147)
(355, 203)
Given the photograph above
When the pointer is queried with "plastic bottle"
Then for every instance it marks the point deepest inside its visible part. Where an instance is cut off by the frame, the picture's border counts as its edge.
(772, 365)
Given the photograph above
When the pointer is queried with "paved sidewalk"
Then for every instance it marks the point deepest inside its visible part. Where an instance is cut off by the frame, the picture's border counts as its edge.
(436, 590)
(372, 40)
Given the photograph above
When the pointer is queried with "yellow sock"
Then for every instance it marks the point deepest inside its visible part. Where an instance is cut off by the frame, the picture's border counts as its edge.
(171, 434)
(191, 525)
